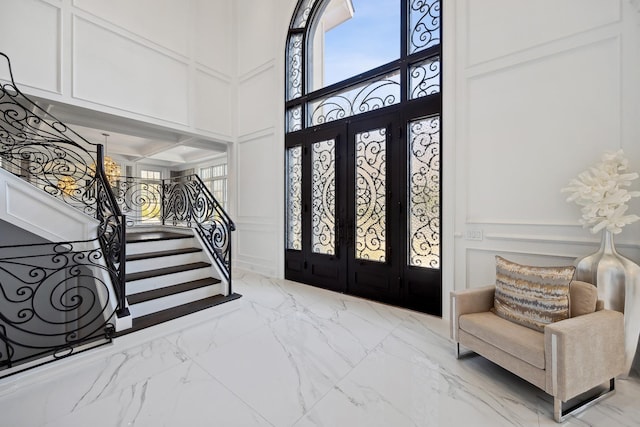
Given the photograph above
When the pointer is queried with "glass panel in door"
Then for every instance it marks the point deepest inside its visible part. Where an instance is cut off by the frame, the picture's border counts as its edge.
(424, 192)
(370, 191)
(294, 198)
(323, 197)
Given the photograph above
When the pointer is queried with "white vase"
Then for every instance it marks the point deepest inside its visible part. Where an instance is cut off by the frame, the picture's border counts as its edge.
(618, 281)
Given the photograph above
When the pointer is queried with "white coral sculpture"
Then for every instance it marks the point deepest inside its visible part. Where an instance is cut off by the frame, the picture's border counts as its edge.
(602, 192)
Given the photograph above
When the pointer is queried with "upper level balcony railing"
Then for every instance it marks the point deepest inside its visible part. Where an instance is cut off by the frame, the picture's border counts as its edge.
(180, 202)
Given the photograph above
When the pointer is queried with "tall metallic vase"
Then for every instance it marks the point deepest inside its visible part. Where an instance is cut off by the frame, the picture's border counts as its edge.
(618, 281)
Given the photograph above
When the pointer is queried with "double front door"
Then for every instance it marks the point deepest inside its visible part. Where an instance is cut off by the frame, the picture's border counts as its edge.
(363, 209)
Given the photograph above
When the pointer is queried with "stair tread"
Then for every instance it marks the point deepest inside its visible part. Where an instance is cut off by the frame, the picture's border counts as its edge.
(159, 254)
(178, 311)
(166, 270)
(170, 290)
(150, 236)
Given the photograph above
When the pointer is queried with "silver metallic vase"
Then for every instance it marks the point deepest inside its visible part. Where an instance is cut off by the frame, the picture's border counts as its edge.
(618, 281)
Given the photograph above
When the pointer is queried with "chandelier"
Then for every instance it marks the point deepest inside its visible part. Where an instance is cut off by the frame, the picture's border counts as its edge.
(67, 185)
(111, 168)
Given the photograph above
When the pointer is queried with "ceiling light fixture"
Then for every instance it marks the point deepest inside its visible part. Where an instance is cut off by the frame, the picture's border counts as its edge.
(111, 168)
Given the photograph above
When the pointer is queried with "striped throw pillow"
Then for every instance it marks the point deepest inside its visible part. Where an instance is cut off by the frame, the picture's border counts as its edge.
(532, 296)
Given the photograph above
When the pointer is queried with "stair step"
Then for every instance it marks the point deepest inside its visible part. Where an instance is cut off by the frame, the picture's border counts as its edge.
(147, 246)
(170, 290)
(164, 271)
(175, 312)
(155, 235)
(160, 254)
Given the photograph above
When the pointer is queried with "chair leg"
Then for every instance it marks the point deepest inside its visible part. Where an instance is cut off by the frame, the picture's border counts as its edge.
(560, 415)
(557, 410)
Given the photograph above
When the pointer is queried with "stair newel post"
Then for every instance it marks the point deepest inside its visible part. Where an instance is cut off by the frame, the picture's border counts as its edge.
(98, 173)
(123, 310)
(162, 201)
(230, 229)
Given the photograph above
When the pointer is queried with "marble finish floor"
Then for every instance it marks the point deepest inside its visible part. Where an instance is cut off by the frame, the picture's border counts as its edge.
(289, 355)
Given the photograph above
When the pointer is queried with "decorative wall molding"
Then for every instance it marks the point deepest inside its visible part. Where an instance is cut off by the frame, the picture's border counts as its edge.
(258, 112)
(543, 52)
(150, 38)
(87, 87)
(520, 223)
(555, 32)
(256, 266)
(133, 32)
(258, 255)
(212, 104)
(257, 177)
(223, 77)
(260, 223)
(527, 253)
(22, 42)
(558, 136)
(258, 134)
(255, 72)
(556, 239)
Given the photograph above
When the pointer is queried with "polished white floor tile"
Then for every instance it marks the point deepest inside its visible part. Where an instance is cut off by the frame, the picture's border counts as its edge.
(288, 354)
(284, 368)
(71, 391)
(376, 315)
(281, 295)
(386, 391)
(225, 328)
(184, 395)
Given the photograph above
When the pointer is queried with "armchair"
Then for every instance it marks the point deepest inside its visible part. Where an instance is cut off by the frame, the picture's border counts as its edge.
(568, 358)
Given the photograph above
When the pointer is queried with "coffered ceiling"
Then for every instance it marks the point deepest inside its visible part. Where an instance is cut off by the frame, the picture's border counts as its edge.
(137, 141)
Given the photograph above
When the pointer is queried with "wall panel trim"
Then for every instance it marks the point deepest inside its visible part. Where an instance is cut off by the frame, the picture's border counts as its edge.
(255, 72)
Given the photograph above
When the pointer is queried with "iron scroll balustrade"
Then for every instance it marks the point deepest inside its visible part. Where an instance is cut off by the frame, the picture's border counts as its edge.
(54, 298)
(188, 202)
(112, 234)
(43, 151)
(182, 202)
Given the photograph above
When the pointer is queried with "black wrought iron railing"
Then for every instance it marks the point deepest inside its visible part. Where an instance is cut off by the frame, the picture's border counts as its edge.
(54, 300)
(180, 202)
(50, 284)
(56, 296)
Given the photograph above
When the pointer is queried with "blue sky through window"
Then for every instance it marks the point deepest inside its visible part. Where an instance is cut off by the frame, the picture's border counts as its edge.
(370, 39)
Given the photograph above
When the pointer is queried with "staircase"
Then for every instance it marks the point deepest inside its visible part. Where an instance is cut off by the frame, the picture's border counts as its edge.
(111, 255)
(169, 276)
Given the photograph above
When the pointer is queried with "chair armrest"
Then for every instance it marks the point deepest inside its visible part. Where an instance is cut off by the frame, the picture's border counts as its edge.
(583, 352)
(465, 301)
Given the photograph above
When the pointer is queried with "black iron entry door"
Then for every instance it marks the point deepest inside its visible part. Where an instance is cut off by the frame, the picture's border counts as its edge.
(354, 212)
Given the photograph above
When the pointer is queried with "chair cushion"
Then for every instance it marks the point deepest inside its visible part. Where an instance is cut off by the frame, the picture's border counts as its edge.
(520, 342)
(583, 298)
(532, 296)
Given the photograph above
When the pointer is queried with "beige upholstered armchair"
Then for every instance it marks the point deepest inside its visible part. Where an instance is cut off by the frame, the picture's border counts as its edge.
(565, 359)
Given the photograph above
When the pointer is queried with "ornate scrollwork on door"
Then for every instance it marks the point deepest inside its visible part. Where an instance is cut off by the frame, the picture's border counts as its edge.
(323, 197)
(294, 198)
(371, 193)
(424, 192)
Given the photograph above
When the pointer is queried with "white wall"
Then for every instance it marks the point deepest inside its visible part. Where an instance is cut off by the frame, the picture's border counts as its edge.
(534, 93)
(542, 89)
(257, 158)
(165, 62)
